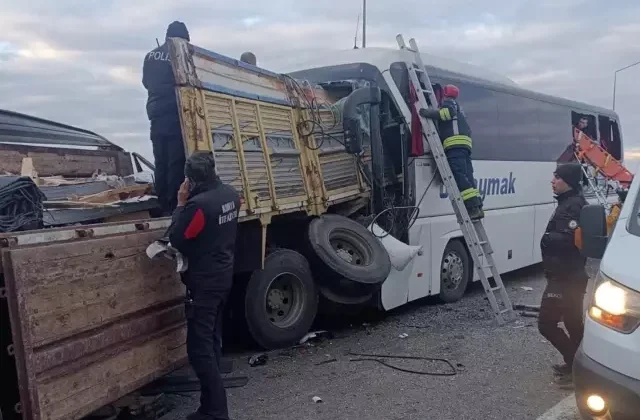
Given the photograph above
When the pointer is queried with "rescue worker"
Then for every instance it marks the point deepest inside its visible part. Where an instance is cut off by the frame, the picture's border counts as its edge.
(564, 268)
(162, 110)
(456, 140)
(249, 58)
(204, 231)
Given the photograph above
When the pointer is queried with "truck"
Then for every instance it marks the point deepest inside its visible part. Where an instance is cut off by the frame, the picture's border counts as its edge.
(339, 206)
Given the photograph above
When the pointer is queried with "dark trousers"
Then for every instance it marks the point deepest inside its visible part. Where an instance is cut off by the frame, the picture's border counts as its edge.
(462, 168)
(563, 302)
(168, 153)
(204, 349)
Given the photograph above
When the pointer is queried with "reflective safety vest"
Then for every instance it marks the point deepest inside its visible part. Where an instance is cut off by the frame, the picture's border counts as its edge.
(452, 125)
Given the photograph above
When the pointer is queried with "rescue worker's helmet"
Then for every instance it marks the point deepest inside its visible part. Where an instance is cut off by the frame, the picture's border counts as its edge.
(200, 167)
(451, 91)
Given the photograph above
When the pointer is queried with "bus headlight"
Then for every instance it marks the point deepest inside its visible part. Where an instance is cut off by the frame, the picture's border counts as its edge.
(615, 306)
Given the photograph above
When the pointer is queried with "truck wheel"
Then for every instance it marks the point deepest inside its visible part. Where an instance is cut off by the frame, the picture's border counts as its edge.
(455, 271)
(349, 249)
(281, 300)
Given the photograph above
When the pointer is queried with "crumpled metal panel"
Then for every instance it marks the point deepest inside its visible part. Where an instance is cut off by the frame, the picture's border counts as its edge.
(22, 128)
(62, 217)
(93, 319)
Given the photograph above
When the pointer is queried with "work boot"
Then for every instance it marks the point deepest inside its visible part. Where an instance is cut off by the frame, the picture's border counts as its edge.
(561, 369)
(476, 213)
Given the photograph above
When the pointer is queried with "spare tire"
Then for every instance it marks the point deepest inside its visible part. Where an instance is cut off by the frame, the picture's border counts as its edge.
(349, 250)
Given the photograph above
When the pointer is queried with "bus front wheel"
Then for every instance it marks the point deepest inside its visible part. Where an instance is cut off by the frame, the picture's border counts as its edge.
(455, 271)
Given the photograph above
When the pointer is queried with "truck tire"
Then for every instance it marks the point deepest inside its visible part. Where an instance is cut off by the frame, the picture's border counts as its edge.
(456, 271)
(281, 300)
(349, 250)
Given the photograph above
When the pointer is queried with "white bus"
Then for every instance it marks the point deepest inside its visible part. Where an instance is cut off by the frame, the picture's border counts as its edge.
(518, 138)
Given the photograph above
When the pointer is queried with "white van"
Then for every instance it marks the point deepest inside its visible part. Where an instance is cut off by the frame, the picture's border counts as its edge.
(607, 366)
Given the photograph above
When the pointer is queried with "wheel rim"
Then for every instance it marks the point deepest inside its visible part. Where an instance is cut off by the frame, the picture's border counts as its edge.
(452, 270)
(284, 300)
(350, 248)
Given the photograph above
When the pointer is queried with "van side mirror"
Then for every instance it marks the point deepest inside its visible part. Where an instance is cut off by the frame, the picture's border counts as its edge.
(593, 224)
(351, 118)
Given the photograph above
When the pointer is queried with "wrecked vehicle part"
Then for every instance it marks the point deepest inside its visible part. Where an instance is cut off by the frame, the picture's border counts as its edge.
(345, 248)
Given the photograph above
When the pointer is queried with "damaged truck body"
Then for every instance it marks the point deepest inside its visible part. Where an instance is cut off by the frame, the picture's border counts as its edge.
(337, 209)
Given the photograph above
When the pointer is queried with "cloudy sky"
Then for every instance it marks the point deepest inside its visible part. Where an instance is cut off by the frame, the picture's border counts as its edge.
(79, 61)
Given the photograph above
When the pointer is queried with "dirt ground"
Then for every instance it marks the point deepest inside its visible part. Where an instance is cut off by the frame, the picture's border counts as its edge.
(502, 372)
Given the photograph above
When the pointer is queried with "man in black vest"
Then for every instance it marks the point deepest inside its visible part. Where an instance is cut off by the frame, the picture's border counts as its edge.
(204, 231)
(162, 110)
(564, 268)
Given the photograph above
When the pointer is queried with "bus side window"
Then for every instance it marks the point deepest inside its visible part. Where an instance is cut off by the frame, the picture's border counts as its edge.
(604, 126)
(616, 141)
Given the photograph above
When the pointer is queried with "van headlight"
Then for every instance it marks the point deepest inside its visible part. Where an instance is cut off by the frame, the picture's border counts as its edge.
(614, 305)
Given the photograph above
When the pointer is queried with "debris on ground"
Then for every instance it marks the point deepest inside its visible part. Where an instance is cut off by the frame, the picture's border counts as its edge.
(403, 335)
(316, 399)
(258, 359)
(532, 308)
(315, 336)
(527, 288)
(324, 362)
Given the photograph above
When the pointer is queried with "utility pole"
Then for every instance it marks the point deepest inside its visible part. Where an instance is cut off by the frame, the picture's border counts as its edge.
(615, 79)
(364, 23)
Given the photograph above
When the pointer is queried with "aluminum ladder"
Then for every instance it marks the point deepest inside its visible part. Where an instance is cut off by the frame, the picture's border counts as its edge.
(474, 233)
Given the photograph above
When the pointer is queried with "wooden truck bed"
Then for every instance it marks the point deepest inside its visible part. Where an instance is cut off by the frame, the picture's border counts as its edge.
(92, 317)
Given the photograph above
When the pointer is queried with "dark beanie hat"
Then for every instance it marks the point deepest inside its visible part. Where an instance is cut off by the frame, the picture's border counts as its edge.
(177, 29)
(200, 167)
(571, 173)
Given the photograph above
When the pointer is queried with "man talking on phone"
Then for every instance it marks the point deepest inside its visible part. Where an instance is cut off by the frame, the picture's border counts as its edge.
(204, 231)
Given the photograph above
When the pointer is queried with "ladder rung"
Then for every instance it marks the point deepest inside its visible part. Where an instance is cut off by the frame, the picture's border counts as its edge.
(504, 311)
(495, 289)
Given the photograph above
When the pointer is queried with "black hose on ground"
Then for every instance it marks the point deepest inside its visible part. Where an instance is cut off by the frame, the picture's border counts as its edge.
(364, 357)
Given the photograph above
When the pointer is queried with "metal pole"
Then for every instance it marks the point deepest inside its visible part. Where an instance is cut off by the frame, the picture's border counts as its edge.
(364, 23)
(615, 77)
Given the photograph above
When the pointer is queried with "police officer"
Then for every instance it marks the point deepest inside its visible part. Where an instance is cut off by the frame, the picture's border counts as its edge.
(564, 267)
(162, 110)
(456, 140)
(204, 231)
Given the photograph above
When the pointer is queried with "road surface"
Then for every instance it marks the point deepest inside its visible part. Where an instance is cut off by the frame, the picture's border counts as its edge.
(502, 372)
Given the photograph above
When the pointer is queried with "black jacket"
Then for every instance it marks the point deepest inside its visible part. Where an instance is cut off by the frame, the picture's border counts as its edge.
(204, 231)
(158, 79)
(448, 116)
(562, 260)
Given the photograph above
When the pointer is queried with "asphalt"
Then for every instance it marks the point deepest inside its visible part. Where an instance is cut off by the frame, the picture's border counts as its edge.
(502, 372)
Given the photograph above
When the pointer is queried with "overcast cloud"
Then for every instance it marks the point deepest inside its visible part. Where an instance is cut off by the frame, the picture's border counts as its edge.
(79, 61)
